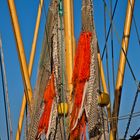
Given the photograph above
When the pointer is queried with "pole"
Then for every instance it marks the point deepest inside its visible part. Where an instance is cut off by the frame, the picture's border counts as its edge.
(68, 25)
(21, 54)
(72, 31)
(32, 54)
(122, 63)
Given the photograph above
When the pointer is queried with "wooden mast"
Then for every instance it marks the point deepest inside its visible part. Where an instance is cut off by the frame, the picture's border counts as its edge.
(21, 54)
(69, 43)
(121, 68)
(19, 43)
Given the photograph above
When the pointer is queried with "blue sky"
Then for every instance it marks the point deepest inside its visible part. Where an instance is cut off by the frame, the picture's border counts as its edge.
(27, 11)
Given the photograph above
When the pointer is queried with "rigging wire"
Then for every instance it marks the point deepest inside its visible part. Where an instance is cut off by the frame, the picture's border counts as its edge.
(109, 26)
(135, 24)
(119, 41)
(138, 88)
(107, 67)
(136, 132)
(6, 91)
(112, 48)
(125, 117)
(6, 117)
(132, 110)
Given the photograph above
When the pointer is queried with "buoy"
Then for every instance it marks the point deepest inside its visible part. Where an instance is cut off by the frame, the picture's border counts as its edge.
(63, 108)
(103, 99)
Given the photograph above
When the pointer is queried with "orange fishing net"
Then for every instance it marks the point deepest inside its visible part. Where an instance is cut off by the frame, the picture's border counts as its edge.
(81, 73)
(80, 131)
(49, 95)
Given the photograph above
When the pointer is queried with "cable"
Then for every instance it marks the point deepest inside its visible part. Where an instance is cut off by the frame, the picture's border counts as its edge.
(130, 117)
(132, 110)
(2, 76)
(125, 117)
(6, 91)
(107, 67)
(112, 48)
(109, 26)
(119, 41)
(136, 132)
(136, 28)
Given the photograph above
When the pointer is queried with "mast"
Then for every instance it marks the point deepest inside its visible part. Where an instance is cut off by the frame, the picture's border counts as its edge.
(69, 43)
(21, 54)
(121, 68)
(30, 66)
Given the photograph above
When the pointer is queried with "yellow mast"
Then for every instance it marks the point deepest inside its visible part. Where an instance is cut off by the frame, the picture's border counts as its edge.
(72, 27)
(21, 54)
(121, 68)
(32, 54)
(69, 42)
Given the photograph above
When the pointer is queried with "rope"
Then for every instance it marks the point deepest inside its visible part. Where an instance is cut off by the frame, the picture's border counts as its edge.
(62, 54)
(112, 48)
(136, 28)
(119, 41)
(6, 90)
(124, 117)
(138, 85)
(107, 67)
(109, 26)
(3, 86)
(132, 110)
(136, 132)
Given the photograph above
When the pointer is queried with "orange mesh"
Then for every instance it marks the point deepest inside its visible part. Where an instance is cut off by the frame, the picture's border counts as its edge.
(49, 95)
(81, 72)
(80, 131)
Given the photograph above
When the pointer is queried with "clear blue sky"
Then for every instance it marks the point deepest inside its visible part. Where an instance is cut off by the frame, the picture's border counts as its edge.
(27, 11)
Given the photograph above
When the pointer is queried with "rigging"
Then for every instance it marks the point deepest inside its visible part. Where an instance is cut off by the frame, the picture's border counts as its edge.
(109, 26)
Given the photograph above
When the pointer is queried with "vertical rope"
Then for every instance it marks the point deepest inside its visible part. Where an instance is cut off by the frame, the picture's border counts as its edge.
(62, 65)
(6, 91)
(109, 26)
(2, 76)
(112, 48)
(132, 110)
(107, 67)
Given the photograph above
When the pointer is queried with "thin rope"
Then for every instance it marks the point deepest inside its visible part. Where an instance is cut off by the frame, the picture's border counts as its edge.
(125, 117)
(119, 41)
(62, 64)
(112, 48)
(132, 110)
(109, 26)
(135, 24)
(6, 91)
(136, 132)
(2, 77)
(107, 66)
